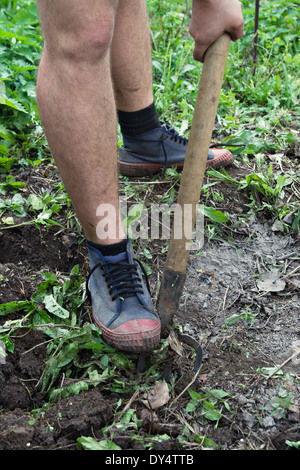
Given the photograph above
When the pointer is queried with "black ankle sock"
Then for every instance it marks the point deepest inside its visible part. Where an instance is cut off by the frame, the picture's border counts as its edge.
(137, 122)
(111, 250)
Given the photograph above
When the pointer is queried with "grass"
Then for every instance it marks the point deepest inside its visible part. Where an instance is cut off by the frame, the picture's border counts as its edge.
(258, 119)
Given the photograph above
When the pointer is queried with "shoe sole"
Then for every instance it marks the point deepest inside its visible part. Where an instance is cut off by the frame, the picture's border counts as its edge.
(223, 158)
(133, 336)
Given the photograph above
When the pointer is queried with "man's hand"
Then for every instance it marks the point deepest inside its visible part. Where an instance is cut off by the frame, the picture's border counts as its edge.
(210, 19)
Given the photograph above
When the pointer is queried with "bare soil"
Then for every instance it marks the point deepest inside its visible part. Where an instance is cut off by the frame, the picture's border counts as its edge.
(251, 271)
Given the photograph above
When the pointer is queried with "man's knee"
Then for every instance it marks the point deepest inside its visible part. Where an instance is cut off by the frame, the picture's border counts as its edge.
(78, 34)
(89, 44)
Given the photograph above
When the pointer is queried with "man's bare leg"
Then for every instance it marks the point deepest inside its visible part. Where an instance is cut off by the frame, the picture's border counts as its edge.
(143, 152)
(78, 115)
(131, 57)
(77, 108)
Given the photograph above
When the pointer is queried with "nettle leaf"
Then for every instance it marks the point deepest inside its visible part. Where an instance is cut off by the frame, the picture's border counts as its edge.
(13, 36)
(18, 200)
(63, 353)
(6, 163)
(10, 102)
(44, 215)
(17, 205)
(73, 283)
(7, 134)
(8, 344)
(3, 149)
(26, 16)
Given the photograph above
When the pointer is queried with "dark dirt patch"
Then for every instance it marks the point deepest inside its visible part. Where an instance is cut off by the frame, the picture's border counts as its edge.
(19, 376)
(221, 282)
(40, 249)
(55, 428)
(27, 251)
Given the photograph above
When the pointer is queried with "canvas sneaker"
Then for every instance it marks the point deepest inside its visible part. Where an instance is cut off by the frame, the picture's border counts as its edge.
(148, 153)
(121, 302)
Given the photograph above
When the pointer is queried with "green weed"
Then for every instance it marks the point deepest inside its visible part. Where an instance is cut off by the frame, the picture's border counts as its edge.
(209, 406)
(20, 50)
(266, 190)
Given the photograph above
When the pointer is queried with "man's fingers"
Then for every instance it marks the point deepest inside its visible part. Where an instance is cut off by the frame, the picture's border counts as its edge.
(199, 52)
(200, 49)
(236, 31)
(237, 35)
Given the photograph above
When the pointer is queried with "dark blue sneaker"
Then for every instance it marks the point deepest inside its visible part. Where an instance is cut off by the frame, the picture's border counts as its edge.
(121, 303)
(161, 148)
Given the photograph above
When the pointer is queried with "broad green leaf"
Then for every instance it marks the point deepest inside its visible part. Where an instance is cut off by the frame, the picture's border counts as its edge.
(34, 202)
(89, 443)
(26, 16)
(293, 444)
(8, 220)
(8, 343)
(11, 307)
(224, 176)
(6, 133)
(3, 149)
(24, 39)
(214, 215)
(206, 443)
(213, 415)
(233, 319)
(6, 163)
(194, 395)
(73, 389)
(13, 185)
(45, 215)
(10, 102)
(158, 66)
(219, 393)
(50, 277)
(52, 306)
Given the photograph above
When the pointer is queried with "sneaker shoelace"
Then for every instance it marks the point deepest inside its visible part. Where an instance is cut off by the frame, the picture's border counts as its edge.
(122, 279)
(173, 135)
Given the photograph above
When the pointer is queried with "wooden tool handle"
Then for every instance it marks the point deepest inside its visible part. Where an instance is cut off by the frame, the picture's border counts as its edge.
(192, 176)
(198, 147)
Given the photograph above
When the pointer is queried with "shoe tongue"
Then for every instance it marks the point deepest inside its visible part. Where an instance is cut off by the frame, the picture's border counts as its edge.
(119, 258)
